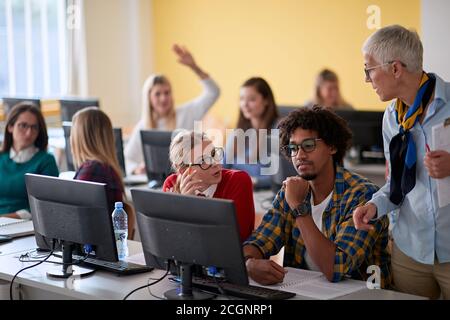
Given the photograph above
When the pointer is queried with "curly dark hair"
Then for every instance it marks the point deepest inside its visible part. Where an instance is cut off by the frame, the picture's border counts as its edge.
(331, 128)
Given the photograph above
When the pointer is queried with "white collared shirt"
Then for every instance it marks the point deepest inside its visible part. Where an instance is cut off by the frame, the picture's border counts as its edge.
(209, 192)
(23, 155)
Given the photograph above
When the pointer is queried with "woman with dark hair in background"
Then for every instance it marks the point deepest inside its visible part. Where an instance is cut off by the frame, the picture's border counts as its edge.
(258, 111)
(24, 151)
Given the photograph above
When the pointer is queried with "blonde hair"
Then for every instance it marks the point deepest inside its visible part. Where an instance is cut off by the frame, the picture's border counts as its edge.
(148, 116)
(92, 138)
(180, 150)
(326, 75)
(182, 144)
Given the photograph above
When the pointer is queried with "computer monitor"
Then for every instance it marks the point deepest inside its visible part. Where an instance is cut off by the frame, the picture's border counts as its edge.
(367, 129)
(71, 106)
(117, 141)
(192, 231)
(285, 169)
(283, 111)
(71, 213)
(67, 125)
(155, 147)
(10, 102)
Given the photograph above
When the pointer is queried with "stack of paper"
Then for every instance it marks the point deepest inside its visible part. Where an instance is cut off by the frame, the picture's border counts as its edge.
(16, 227)
(441, 141)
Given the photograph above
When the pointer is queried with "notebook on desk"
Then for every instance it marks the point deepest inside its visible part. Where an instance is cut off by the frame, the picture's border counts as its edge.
(313, 284)
(16, 227)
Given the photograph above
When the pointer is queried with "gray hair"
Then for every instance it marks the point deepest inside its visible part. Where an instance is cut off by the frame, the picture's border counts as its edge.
(182, 145)
(393, 43)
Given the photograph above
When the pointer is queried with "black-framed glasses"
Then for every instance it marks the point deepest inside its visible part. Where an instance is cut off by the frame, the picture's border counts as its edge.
(307, 145)
(23, 126)
(367, 70)
(207, 161)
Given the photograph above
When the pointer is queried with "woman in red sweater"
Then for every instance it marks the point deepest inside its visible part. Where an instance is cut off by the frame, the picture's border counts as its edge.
(199, 172)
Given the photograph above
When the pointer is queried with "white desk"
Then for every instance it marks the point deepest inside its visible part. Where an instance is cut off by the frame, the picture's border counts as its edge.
(34, 284)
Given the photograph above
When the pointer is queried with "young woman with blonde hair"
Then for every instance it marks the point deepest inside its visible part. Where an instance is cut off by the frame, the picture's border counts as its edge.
(199, 172)
(327, 92)
(158, 111)
(94, 155)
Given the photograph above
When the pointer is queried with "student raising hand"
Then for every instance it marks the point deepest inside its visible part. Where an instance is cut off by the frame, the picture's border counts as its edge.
(186, 58)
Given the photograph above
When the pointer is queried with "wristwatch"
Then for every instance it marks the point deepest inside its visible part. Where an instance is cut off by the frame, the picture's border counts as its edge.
(303, 209)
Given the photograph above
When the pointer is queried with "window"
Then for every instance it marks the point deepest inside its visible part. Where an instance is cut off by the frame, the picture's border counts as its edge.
(33, 59)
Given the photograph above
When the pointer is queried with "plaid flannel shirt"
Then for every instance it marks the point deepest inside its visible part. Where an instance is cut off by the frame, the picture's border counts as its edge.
(355, 249)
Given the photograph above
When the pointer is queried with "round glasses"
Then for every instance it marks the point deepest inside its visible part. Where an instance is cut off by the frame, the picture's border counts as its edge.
(307, 145)
(207, 161)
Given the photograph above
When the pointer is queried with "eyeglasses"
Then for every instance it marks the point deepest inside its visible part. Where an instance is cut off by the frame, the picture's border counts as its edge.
(367, 70)
(23, 126)
(307, 145)
(207, 161)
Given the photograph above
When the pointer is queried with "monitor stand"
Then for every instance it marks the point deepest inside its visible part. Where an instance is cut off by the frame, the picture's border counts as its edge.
(67, 269)
(185, 291)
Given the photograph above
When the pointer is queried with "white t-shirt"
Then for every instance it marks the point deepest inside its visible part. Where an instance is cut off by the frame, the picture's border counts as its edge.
(317, 213)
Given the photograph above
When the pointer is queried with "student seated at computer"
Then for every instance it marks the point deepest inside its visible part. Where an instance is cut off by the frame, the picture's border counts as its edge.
(327, 92)
(258, 111)
(199, 172)
(311, 216)
(95, 157)
(158, 111)
(24, 151)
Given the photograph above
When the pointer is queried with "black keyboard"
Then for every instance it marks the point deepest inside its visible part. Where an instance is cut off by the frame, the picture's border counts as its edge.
(240, 291)
(119, 267)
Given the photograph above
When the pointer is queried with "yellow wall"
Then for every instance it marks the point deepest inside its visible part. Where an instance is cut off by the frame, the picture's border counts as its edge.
(285, 41)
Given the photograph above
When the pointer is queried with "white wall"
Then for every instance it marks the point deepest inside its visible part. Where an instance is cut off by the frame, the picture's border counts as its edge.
(119, 55)
(436, 37)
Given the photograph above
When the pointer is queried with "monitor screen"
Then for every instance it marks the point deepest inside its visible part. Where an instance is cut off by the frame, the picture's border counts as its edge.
(71, 106)
(366, 127)
(190, 230)
(155, 147)
(10, 102)
(71, 211)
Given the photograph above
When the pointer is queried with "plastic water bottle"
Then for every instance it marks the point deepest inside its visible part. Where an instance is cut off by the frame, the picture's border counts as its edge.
(120, 224)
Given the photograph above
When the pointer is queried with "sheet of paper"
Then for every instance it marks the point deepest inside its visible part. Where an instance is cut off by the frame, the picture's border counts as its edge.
(4, 221)
(17, 228)
(136, 258)
(313, 284)
(441, 141)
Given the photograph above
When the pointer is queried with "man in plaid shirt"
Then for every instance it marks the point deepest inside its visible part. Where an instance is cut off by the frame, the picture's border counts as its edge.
(311, 216)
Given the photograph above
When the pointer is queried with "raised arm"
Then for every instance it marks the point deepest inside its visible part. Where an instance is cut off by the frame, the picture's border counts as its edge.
(186, 58)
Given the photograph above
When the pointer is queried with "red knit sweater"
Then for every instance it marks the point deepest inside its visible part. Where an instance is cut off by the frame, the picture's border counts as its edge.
(237, 186)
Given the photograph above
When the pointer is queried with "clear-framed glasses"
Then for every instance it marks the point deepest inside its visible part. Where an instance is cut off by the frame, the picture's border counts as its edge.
(207, 161)
(367, 70)
(307, 145)
(23, 126)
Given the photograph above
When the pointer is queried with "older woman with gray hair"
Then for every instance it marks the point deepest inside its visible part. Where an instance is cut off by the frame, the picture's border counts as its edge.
(421, 100)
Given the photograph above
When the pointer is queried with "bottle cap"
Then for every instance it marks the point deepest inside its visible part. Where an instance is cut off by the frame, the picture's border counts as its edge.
(118, 205)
